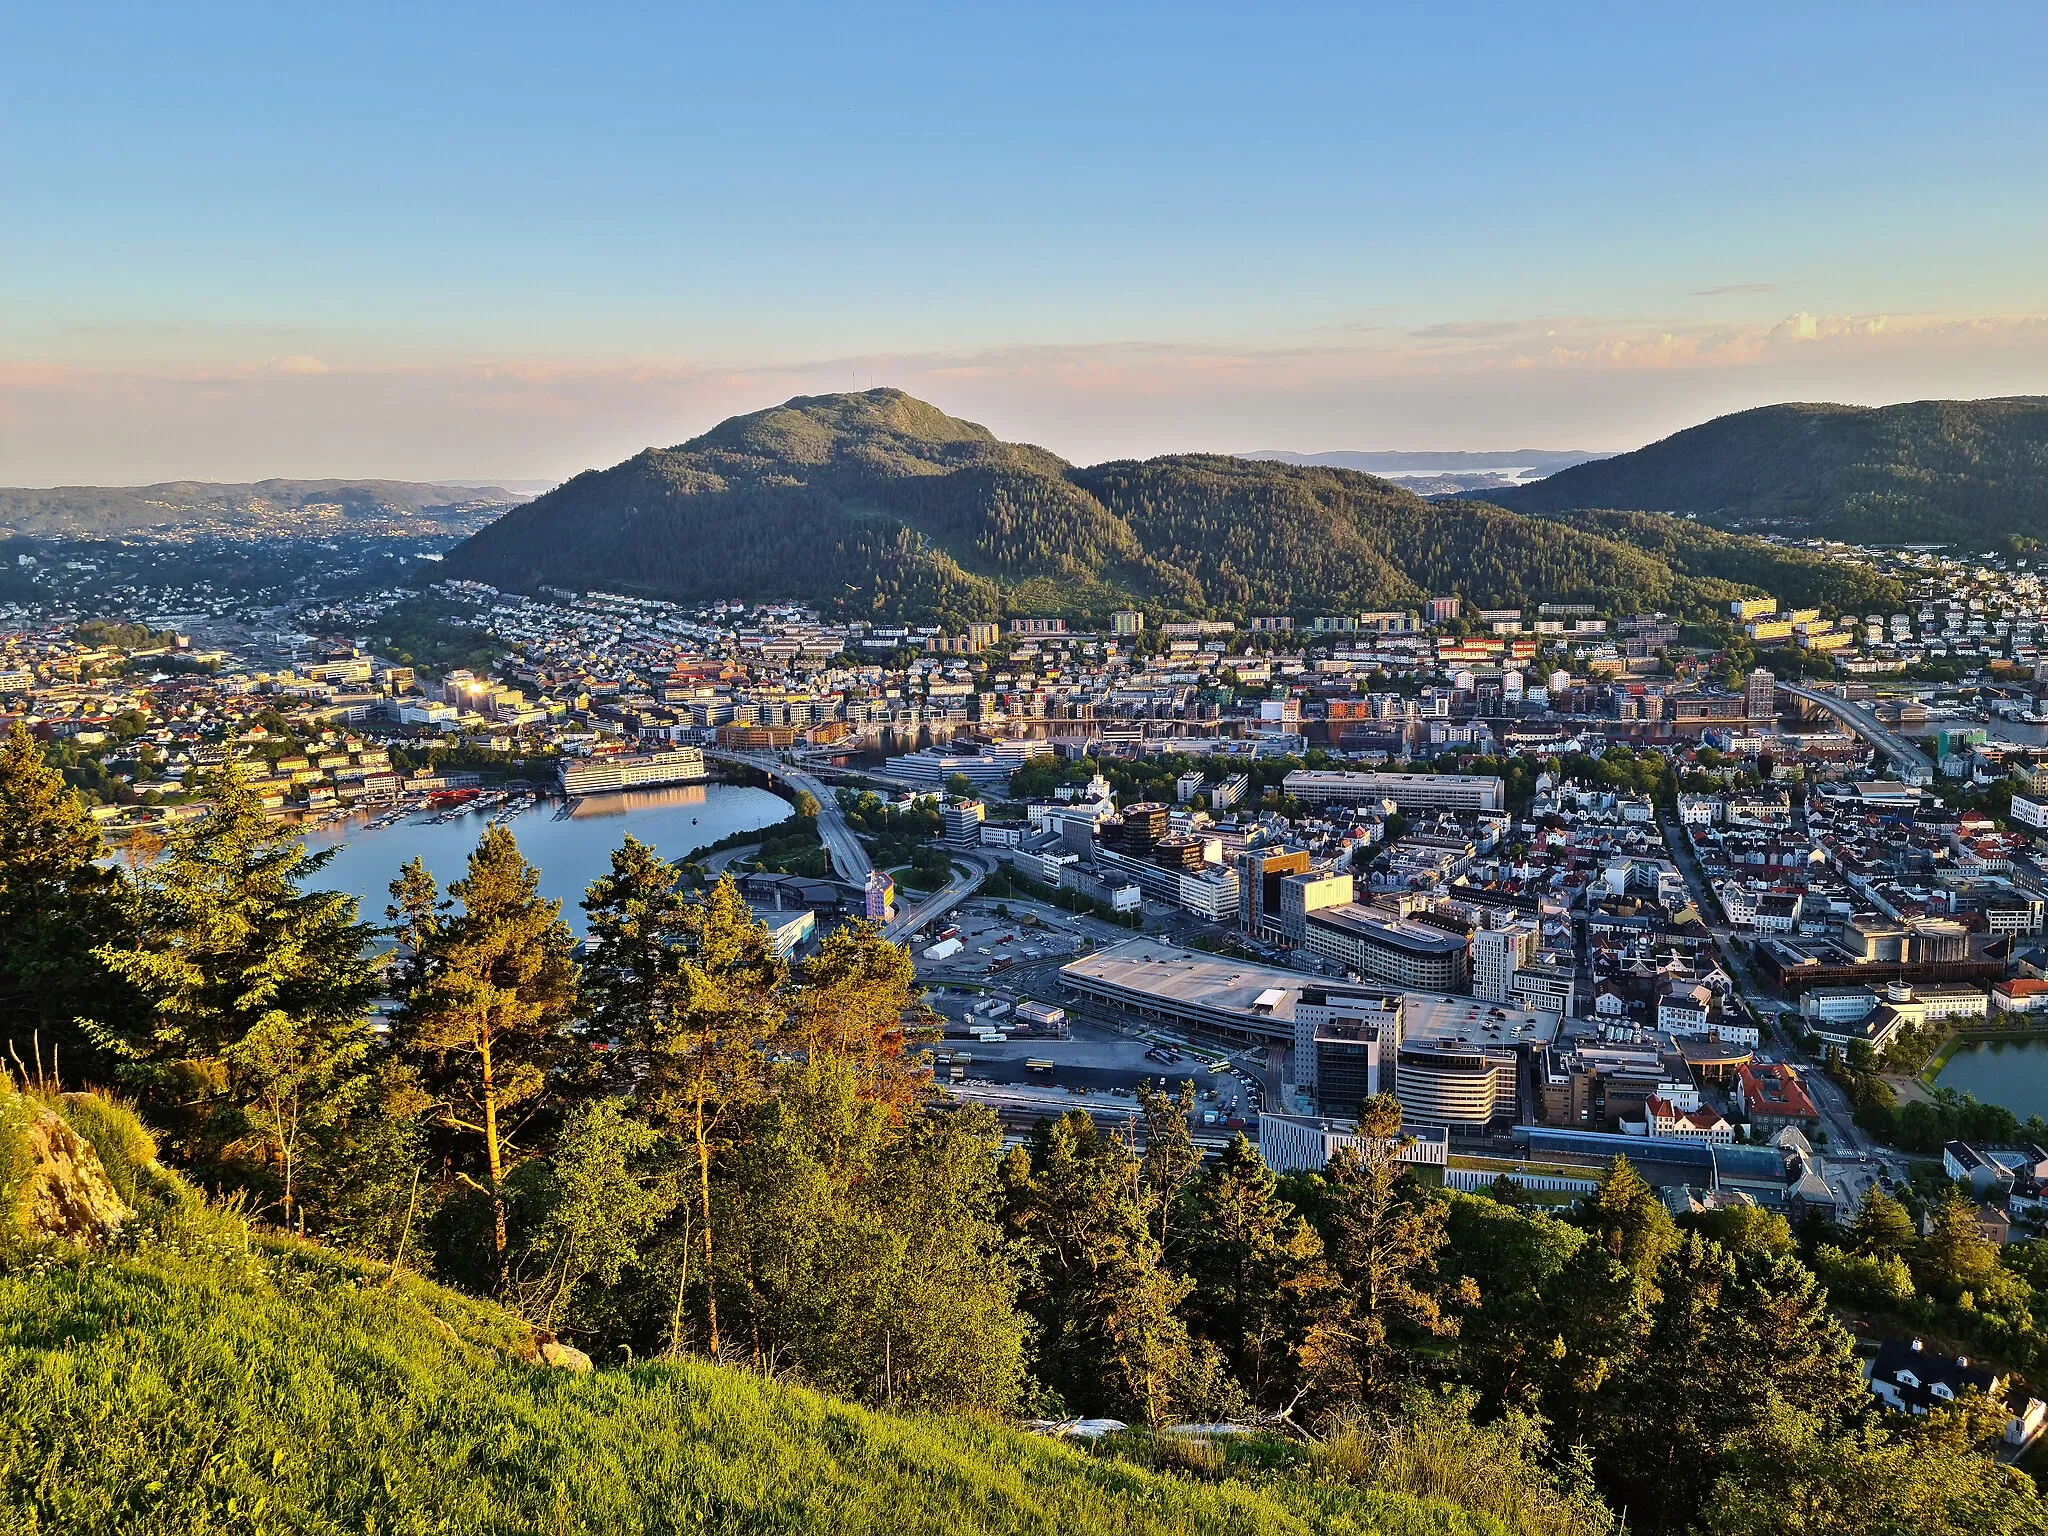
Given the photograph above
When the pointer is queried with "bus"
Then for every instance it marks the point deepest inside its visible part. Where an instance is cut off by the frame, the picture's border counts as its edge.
(1037, 1065)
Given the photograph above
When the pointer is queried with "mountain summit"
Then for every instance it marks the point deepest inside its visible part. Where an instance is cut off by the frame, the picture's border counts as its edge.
(882, 505)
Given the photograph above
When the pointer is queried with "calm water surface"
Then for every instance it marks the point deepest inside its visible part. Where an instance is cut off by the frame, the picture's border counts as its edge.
(570, 852)
(2012, 1073)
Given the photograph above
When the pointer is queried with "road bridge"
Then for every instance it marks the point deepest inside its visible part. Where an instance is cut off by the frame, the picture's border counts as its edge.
(850, 861)
(1913, 765)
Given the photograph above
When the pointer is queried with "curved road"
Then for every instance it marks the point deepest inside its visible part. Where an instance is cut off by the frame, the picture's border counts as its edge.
(935, 906)
(849, 860)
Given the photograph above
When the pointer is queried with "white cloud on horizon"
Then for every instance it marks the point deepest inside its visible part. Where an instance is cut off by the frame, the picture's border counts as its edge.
(1546, 381)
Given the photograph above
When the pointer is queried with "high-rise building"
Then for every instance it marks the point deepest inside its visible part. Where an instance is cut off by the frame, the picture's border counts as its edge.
(963, 819)
(1497, 953)
(1761, 695)
(1128, 621)
(880, 904)
(1143, 825)
(1259, 873)
(1440, 610)
(1301, 894)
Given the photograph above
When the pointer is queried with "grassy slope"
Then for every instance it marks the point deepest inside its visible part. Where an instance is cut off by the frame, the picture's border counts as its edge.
(200, 1379)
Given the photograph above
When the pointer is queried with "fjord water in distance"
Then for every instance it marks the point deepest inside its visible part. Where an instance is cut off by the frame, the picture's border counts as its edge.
(570, 851)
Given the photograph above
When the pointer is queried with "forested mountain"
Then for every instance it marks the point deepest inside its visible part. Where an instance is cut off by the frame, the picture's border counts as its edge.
(1973, 472)
(879, 504)
(304, 508)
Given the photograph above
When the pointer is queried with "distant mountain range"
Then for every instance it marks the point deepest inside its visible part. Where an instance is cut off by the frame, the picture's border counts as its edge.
(1399, 465)
(1970, 472)
(879, 504)
(303, 507)
(1442, 474)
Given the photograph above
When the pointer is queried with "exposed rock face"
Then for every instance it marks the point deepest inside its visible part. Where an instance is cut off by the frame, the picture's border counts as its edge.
(66, 1195)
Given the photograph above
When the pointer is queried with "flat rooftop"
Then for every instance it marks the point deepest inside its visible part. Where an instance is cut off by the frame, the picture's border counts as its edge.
(1165, 974)
(1261, 997)
(1401, 933)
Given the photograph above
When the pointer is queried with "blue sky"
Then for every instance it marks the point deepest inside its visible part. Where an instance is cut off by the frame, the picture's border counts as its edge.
(441, 241)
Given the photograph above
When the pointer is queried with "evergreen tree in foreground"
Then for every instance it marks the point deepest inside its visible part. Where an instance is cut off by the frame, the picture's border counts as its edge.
(487, 1010)
(254, 1037)
(59, 903)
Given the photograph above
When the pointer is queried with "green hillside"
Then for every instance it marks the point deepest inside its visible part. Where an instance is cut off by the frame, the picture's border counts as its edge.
(201, 1377)
(882, 505)
(1973, 472)
(304, 507)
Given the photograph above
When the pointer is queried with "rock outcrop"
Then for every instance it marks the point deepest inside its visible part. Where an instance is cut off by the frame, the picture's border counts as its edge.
(63, 1193)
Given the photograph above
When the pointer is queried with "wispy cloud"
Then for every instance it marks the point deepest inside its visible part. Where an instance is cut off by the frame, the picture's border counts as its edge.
(1474, 330)
(1610, 383)
(1732, 288)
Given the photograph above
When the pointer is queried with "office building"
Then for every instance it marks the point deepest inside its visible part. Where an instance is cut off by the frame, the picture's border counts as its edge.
(1497, 953)
(1409, 791)
(1311, 891)
(1761, 695)
(630, 770)
(1140, 827)
(1393, 950)
(1467, 1086)
(1259, 873)
(963, 819)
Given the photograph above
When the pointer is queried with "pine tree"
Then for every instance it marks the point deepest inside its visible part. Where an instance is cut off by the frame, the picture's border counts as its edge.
(1262, 1290)
(59, 903)
(635, 915)
(488, 1011)
(1171, 1156)
(257, 988)
(709, 1064)
(852, 998)
(1383, 1241)
(1627, 1219)
(1956, 1256)
(1111, 1337)
(1882, 1228)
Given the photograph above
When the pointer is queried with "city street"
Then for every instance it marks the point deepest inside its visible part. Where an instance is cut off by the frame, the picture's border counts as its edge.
(1846, 1143)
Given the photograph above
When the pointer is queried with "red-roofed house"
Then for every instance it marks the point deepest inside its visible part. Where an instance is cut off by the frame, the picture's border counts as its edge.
(1663, 1118)
(1770, 1093)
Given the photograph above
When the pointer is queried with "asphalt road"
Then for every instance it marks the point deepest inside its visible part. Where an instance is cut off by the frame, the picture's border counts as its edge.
(979, 867)
(1901, 751)
(849, 860)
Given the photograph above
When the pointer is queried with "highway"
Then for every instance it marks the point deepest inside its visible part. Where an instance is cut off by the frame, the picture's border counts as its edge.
(1909, 759)
(909, 919)
(849, 860)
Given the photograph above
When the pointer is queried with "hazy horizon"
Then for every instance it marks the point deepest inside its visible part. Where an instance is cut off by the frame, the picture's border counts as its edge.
(407, 243)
